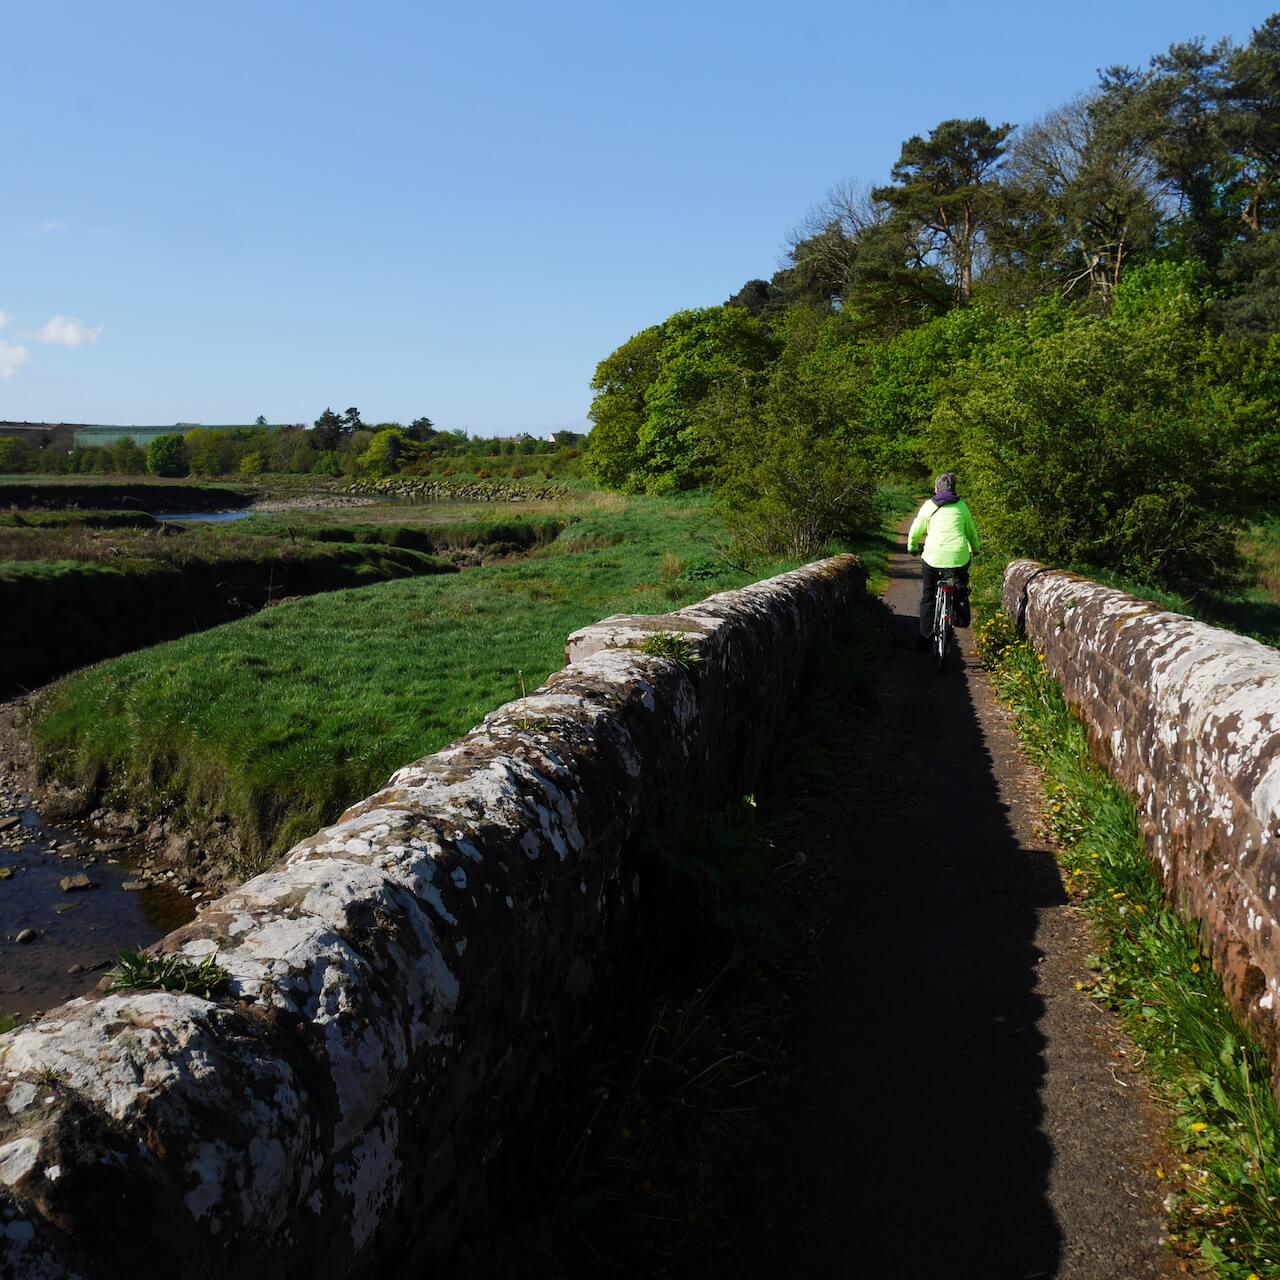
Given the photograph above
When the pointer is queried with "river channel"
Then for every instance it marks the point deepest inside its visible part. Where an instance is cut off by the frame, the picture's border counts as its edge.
(75, 895)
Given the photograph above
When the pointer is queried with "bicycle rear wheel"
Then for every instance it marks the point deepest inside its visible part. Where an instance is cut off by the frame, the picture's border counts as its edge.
(942, 628)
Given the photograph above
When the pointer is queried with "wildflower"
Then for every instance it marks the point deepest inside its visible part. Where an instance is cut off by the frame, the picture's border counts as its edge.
(1199, 1127)
(1195, 968)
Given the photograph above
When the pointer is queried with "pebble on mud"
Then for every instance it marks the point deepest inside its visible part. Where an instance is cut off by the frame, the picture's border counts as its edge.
(134, 886)
(71, 883)
(27, 935)
(11, 821)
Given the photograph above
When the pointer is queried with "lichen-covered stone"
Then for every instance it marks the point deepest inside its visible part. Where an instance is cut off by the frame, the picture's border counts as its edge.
(403, 984)
(1187, 719)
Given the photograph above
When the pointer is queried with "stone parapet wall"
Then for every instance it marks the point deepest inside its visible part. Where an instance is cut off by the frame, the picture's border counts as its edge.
(1187, 719)
(406, 985)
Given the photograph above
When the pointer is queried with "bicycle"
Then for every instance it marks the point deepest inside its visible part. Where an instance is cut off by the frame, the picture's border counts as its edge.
(944, 616)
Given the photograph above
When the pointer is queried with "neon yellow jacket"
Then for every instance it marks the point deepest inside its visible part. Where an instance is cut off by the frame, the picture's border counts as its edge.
(949, 535)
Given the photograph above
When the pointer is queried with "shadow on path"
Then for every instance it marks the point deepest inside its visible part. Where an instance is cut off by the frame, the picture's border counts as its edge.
(909, 1141)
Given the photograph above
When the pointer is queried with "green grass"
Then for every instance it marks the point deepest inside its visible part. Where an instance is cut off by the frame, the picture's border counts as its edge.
(75, 518)
(143, 971)
(1222, 1194)
(675, 646)
(208, 547)
(518, 534)
(283, 719)
(88, 585)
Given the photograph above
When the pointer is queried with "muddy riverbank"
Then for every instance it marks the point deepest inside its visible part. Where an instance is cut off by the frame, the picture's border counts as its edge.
(75, 892)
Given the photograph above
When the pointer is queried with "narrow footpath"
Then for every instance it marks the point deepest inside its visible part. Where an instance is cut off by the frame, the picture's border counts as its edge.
(959, 1109)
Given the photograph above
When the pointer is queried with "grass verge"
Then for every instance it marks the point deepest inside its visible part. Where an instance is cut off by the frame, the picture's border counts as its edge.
(1149, 968)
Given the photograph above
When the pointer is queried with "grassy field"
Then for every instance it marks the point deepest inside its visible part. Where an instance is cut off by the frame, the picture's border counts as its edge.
(90, 584)
(283, 719)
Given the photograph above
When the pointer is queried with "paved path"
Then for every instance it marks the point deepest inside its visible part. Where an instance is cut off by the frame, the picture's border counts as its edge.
(959, 1109)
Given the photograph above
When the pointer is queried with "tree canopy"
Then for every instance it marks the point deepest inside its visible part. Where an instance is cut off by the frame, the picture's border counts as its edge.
(1082, 313)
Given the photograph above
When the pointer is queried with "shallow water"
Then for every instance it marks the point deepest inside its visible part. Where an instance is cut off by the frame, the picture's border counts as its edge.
(205, 517)
(84, 927)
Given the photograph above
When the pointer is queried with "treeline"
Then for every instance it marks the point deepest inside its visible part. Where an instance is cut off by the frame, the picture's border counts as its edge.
(1079, 315)
(336, 445)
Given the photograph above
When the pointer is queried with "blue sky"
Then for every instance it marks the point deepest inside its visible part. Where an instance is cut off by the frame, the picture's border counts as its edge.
(212, 212)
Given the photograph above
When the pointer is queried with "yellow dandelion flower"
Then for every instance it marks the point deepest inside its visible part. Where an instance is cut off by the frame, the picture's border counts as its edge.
(1199, 1127)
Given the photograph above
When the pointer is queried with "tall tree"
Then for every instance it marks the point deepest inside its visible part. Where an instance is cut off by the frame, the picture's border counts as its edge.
(1172, 109)
(760, 298)
(1250, 126)
(621, 383)
(944, 189)
(1081, 202)
(329, 431)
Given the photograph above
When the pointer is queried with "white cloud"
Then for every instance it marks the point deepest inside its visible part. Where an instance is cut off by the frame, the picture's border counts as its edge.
(66, 331)
(47, 228)
(4, 319)
(12, 359)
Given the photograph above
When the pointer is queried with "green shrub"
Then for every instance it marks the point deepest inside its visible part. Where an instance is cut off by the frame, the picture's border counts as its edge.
(166, 456)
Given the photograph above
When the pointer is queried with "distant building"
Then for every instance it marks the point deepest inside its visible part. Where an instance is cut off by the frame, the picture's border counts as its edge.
(97, 437)
(44, 435)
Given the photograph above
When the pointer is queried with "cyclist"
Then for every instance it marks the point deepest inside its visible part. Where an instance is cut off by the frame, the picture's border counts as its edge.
(945, 526)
